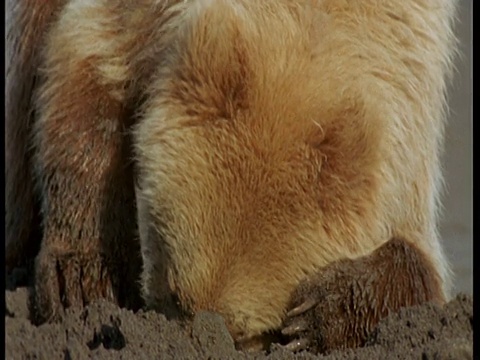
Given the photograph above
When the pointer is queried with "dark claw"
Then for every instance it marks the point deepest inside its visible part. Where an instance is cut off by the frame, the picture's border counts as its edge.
(297, 345)
(305, 306)
(297, 326)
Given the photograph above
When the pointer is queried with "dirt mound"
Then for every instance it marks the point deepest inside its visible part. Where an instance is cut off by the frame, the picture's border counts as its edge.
(105, 331)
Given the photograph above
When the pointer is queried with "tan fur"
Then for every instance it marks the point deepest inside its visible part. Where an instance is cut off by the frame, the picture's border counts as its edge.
(282, 136)
(274, 138)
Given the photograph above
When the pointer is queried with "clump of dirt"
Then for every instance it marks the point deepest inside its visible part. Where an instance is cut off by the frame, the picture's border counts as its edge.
(105, 331)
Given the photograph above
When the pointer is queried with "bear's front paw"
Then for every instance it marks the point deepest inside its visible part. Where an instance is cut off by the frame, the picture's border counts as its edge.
(339, 306)
(66, 279)
(325, 312)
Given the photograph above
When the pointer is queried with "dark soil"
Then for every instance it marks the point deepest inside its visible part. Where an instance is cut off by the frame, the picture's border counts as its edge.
(105, 331)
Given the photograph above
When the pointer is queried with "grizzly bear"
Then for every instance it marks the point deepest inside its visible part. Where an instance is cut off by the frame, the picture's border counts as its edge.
(275, 161)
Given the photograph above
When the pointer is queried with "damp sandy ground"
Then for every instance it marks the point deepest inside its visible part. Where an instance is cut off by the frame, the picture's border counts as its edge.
(105, 331)
(457, 221)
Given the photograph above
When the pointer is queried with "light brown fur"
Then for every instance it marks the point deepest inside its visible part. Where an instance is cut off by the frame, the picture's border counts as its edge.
(274, 138)
(283, 136)
(25, 30)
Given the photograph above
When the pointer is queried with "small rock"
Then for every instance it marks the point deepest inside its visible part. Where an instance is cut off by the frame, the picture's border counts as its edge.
(211, 333)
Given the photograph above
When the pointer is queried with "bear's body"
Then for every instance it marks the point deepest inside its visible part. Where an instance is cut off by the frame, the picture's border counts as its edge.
(271, 139)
